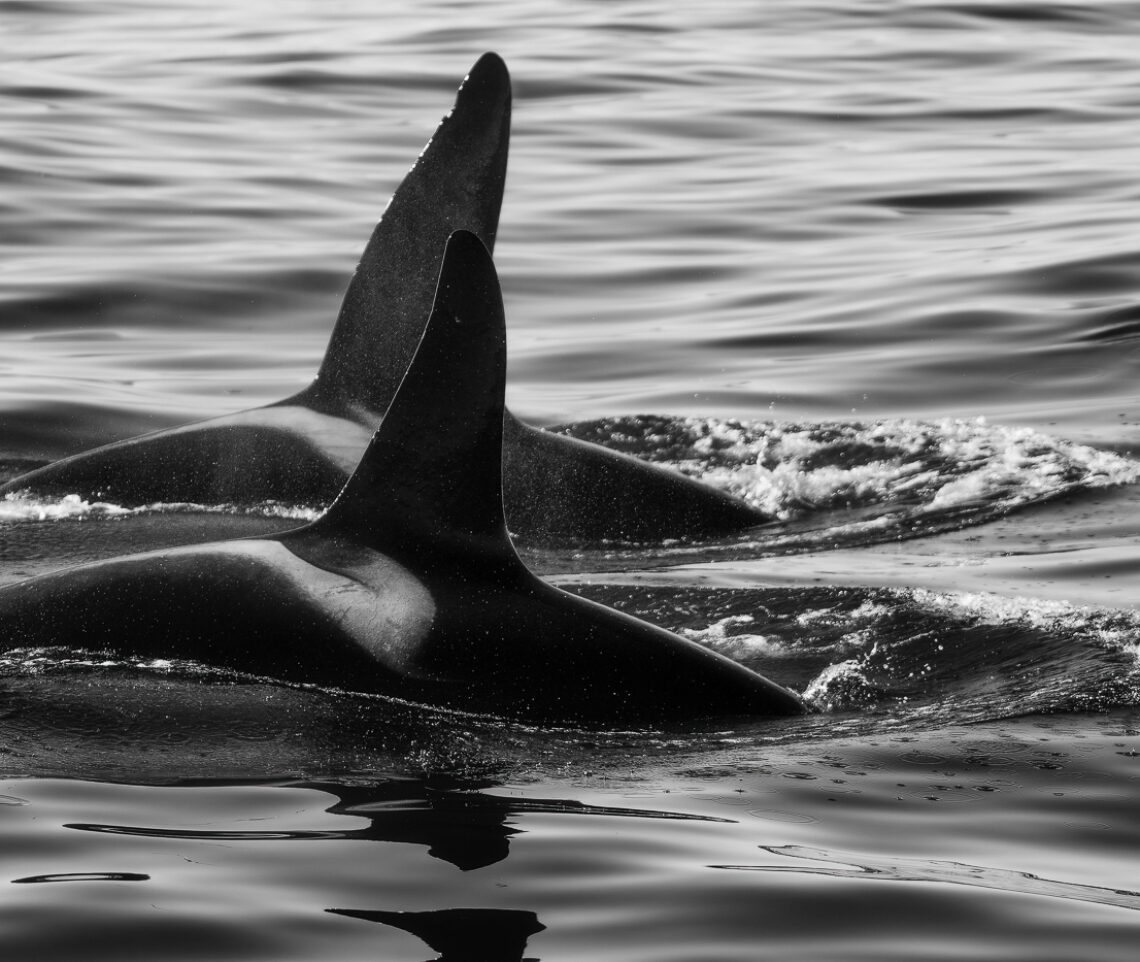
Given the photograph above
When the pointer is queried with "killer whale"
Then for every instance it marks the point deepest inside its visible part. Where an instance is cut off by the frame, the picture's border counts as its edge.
(409, 584)
(302, 450)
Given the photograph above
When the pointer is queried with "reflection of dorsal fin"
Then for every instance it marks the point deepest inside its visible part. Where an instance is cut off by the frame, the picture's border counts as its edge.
(457, 183)
(492, 935)
(430, 482)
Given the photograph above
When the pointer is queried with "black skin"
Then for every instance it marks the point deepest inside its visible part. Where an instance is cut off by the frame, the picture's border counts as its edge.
(500, 641)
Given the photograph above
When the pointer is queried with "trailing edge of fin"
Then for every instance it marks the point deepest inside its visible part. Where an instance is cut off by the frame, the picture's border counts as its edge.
(432, 475)
(457, 183)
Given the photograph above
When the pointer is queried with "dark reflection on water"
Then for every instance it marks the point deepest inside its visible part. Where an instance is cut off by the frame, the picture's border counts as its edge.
(468, 835)
(753, 852)
(463, 935)
(468, 828)
(83, 877)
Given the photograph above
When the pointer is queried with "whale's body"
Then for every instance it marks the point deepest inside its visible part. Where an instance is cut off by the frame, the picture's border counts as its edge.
(303, 449)
(408, 585)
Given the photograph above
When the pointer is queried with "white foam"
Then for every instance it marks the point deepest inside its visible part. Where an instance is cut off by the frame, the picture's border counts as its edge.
(841, 687)
(24, 507)
(1118, 630)
(737, 645)
(783, 468)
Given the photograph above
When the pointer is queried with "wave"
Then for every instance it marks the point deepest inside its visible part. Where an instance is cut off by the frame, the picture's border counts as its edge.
(864, 482)
(913, 655)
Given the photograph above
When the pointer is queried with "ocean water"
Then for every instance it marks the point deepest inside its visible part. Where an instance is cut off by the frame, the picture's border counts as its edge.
(869, 265)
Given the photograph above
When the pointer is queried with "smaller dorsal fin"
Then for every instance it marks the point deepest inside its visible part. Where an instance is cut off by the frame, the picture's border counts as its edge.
(430, 481)
(457, 183)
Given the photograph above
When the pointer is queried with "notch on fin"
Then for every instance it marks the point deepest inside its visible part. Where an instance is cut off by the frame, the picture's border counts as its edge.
(457, 183)
(431, 478)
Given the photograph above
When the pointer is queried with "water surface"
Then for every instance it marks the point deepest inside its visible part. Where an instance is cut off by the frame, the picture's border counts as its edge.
(869, 265)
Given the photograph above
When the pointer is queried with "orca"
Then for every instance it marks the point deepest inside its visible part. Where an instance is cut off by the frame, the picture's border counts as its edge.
(408, 585)
(301, 450)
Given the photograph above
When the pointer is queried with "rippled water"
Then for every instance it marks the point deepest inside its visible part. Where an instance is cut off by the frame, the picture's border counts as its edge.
(869, 265)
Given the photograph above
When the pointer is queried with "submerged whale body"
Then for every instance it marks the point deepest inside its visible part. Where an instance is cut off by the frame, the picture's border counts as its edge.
(302, 450)
(409, 584)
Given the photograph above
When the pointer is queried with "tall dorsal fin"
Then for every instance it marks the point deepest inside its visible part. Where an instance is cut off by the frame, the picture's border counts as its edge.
(457, 183)
(430, 482)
